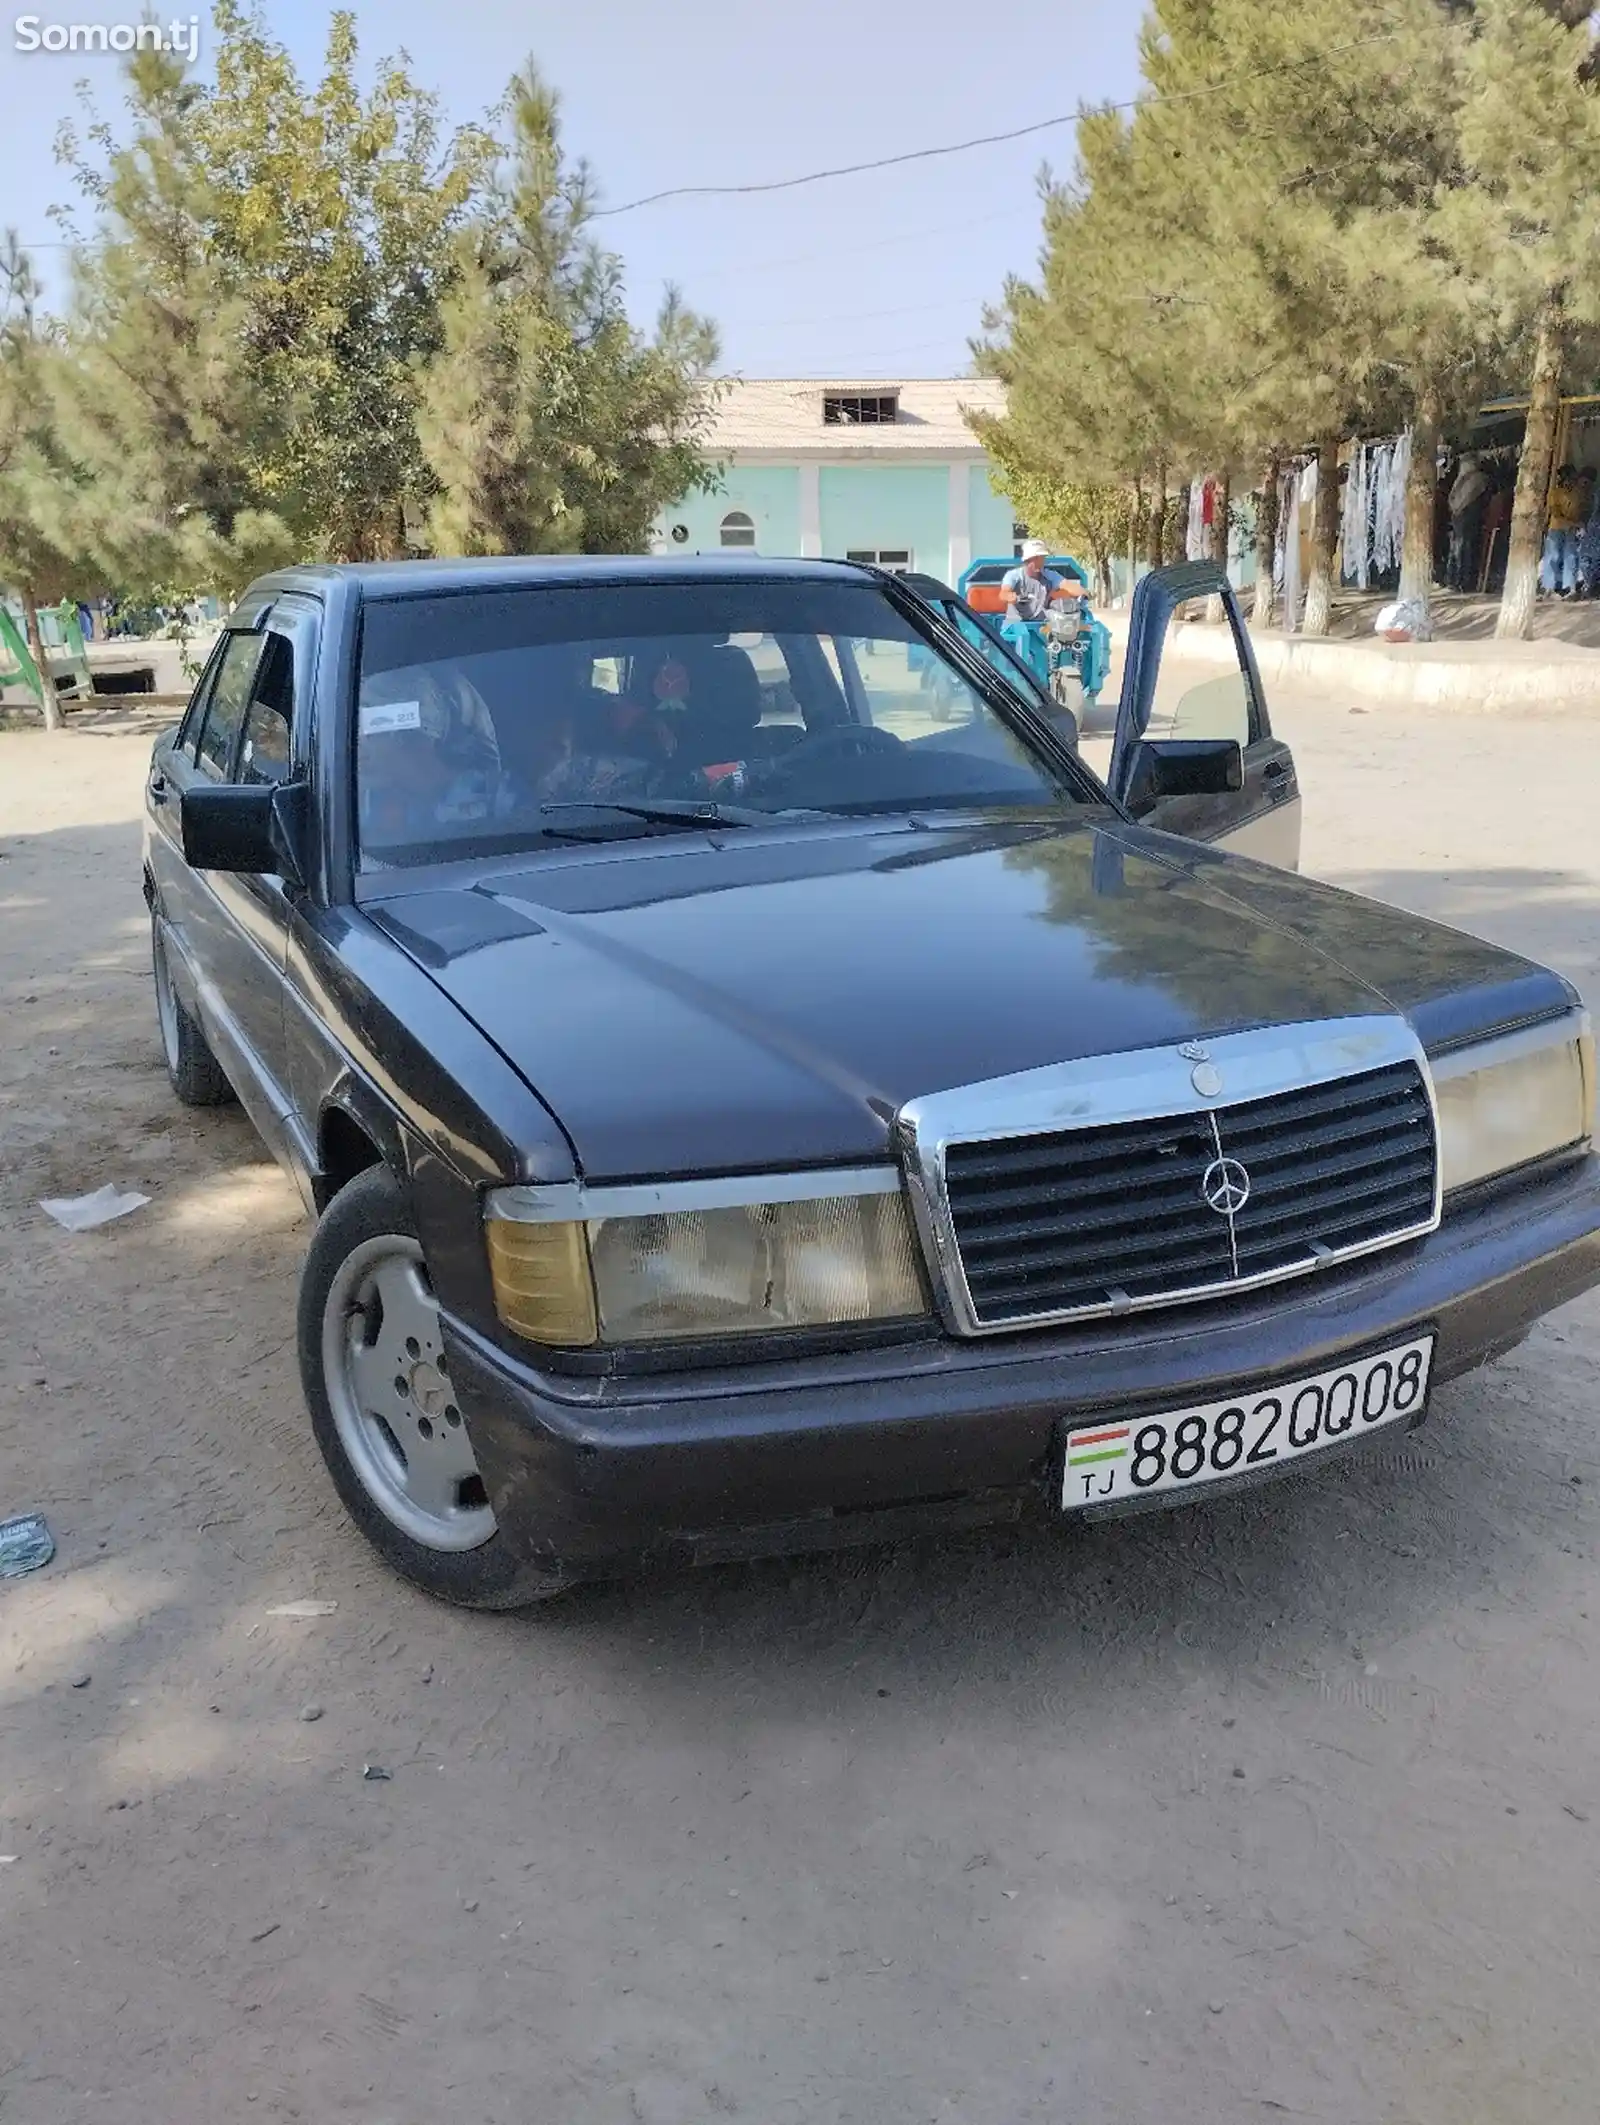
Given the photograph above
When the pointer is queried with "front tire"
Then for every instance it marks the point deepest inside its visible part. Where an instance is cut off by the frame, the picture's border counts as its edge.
(197, 1077)
(383, 1409)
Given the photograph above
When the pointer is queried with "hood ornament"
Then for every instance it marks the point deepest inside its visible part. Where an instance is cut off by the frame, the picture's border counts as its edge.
(1205, 1077)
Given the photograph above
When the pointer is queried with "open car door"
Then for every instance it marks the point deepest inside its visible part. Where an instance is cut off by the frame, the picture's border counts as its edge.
(1194, 752)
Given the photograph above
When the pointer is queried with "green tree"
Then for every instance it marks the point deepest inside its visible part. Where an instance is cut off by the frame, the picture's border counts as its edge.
(333, 212)
(158, 387)
(549, 423)
(1249, 265)
(1531, 218)
(40, 525)
(259, 289)
(1093, 524)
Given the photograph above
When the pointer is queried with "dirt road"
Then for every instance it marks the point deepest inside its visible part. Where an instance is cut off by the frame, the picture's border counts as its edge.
(1288, 1807)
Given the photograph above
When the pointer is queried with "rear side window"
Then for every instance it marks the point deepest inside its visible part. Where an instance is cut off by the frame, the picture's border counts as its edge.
(225, 711)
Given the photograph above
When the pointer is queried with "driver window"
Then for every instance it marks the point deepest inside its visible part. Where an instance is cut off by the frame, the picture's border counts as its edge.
(224, 715)
(1196, 695)
(265, 754)
(1216, 708)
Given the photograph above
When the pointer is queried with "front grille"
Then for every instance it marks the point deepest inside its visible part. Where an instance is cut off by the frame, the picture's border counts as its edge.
(1091, 1221)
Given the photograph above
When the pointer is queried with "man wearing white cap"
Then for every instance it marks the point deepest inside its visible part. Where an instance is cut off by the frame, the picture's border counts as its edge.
(1028, 592)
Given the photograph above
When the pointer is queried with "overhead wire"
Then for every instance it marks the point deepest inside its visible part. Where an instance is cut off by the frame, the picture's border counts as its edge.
(985, 140)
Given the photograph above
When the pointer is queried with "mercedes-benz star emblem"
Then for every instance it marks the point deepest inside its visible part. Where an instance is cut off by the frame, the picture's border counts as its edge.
(1195, 1051)
(1226, 1186)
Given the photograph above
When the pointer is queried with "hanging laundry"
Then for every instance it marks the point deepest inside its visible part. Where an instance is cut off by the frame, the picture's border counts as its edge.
(1390, 474)
(1302, 495)
(1355, 531)
(1288, 493)
(1194, 547)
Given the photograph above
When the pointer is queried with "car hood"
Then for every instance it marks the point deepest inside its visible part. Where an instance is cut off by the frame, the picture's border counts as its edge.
(773, 999)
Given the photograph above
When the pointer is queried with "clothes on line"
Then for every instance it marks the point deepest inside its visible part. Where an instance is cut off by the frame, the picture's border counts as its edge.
(1373, 521)
(1202, 515)
(1297, 490)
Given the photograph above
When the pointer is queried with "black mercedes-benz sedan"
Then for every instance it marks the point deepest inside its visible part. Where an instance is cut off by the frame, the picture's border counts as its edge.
(753, 1101)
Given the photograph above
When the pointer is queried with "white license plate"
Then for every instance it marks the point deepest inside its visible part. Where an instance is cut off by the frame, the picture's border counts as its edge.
(1110, 1463)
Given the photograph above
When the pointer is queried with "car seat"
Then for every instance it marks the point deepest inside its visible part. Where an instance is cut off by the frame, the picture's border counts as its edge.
(724, 709)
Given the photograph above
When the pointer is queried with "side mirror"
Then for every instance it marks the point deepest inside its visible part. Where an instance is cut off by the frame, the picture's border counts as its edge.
(1183, 767)
(258, 828)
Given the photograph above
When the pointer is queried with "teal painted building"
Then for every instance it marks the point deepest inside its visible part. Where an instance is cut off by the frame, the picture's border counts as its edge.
(884, 472)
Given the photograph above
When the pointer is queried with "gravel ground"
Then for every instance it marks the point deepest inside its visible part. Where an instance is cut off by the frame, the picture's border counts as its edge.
(1288, 1806)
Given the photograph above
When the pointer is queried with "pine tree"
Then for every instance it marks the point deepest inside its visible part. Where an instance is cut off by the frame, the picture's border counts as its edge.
(40, 524)
(1252, 259)
(158, 391)
(1530, 220)
(259, 290)
(548, 422)
(333, 212)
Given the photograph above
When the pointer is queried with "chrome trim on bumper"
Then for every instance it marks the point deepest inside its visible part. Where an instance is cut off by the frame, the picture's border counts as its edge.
(1147, 1084)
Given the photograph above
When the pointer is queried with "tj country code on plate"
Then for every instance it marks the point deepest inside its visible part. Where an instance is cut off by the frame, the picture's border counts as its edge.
(1112, 1461)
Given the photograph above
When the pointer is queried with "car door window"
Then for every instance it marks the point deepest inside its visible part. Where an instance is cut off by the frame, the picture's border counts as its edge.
(225, 712)
(1193, 702)
(194, 715)
(269, 719)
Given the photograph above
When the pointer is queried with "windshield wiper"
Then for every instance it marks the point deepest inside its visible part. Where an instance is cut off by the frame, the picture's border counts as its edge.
(690, 813)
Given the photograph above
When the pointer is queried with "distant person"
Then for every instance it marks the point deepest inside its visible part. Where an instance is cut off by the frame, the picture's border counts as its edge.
(1028, 592)
(1468, 494)
(1564, 521)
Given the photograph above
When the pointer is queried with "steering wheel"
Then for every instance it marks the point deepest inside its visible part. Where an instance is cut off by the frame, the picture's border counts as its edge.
(844, 741)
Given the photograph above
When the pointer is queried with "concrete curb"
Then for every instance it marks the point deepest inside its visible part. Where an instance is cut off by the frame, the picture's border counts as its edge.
(1466, 675)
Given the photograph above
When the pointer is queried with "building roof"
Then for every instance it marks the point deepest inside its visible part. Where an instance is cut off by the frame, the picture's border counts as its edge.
(783, 417)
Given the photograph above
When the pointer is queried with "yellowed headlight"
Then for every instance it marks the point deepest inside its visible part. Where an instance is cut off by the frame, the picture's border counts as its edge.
(542, 1286)
(1507, 1114)
(651, 1263)
(755, 1268)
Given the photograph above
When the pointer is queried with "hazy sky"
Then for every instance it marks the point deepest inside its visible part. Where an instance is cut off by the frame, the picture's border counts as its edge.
(861, 275)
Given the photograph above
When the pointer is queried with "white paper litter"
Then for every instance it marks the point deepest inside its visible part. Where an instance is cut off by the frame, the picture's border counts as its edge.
(82, 1213)
(303, 1608)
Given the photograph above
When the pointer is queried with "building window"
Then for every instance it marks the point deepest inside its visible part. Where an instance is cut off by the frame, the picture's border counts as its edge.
(895, 558)
(738, 529)
(855, 409)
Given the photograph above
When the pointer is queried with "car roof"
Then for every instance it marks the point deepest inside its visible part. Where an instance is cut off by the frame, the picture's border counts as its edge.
(391, 579)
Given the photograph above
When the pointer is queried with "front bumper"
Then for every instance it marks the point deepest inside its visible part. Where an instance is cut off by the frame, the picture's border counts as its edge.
(602, 1474)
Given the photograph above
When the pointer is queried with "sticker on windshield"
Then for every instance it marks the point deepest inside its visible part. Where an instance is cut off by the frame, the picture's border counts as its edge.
(378, 718)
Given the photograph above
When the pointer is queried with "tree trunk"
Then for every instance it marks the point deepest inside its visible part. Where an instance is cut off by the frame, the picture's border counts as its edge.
(1261, 612)
(1222, 502)
(49, 699)
(1102, 576)
(1155, 540)
(1533, 474)
(1416, 556)
(1324, 542)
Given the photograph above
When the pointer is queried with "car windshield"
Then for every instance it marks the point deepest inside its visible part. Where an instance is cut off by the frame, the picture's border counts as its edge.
(491, 720)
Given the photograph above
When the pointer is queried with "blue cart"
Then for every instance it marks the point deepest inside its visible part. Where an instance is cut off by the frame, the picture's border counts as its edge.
(1069, 651)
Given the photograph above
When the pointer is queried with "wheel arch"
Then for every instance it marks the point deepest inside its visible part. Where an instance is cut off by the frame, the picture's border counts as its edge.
(352, 1137)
